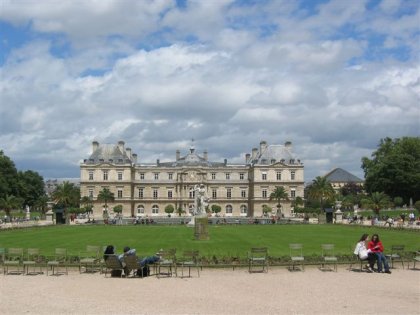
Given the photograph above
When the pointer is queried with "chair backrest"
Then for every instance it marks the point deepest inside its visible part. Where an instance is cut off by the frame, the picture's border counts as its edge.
(32, 254)
(93, 250)
(296, 250)
(60, 254)
(2, 254)
(190, 255)
(327, 250)
(15, 254)
(131, 262)
(397, 248)
(168, 254)
(112, 262)
(259, 252)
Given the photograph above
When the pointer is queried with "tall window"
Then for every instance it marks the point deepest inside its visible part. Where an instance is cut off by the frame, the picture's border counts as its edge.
(227, 176)
(155, 193)
(264, 193)
(90, 175)
(229, 209)
(214, 193)
(141, 175)
(229, 193)
(293, 192)
(278, 175)
(120, 175)
(264, 175)
(213, 175)
(243, 193)
(170, 176)
(292, 175)
(156, 176)
(140, 209)
(119, 193)
(192, 193)
(244, 209)
(169, 194)
(155, 209)
(241, 176)
(105, 175)
(141, 193)
(91, 193)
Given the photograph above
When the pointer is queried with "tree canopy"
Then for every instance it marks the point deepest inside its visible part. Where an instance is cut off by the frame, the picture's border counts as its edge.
(394, 168)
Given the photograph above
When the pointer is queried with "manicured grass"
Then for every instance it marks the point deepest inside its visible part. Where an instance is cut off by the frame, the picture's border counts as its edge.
(225, 241)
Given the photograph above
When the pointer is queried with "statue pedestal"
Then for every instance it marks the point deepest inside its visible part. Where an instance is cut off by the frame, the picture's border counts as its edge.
(201, 228)
(49, 216)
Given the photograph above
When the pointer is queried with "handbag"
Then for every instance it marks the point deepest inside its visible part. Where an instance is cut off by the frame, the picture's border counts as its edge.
(363, 254)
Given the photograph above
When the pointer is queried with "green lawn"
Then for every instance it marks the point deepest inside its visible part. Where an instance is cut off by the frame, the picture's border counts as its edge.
(224, 240)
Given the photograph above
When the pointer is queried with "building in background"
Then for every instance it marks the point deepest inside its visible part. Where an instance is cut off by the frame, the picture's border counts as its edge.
(339, 178)
(147, 188)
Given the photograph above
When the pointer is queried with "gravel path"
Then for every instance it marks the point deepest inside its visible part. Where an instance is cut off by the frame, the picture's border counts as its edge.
(220, 291)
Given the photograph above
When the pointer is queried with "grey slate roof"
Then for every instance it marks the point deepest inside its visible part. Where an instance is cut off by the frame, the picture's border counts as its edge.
(191, 159)
(342, 176)
(275, 153)
(108, 153)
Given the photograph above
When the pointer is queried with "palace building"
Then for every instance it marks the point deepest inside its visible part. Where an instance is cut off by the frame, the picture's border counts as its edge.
(147, 188)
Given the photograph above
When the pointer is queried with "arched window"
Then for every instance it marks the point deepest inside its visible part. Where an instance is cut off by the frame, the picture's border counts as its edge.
(229, 209)
(244, 209)
(155, 209)
(140, 209)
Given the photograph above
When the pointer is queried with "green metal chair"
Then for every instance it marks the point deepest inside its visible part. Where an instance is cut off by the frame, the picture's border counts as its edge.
(190, 259)
(167, 261)
(396, 255)
(328, 256)
(59, 260)
(89, 259)
(13, 258)
(296, 256)
(33, 259)
(258, 259)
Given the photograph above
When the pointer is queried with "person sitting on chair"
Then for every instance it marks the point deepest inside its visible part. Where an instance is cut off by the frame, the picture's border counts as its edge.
(365, 254)
(375, 245)
(148, 260)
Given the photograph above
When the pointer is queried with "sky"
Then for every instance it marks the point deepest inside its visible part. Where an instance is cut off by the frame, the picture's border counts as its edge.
(333, 77)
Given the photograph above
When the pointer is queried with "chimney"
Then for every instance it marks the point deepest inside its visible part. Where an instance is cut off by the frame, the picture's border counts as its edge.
(95, 146)
(263, 146)
(128, 151)
(157, 162)
(225, 162)
(288, 145)
(178, 155)
(121, 145)
(205, 155)
(247, 158)
(254, 153)
(134, 158)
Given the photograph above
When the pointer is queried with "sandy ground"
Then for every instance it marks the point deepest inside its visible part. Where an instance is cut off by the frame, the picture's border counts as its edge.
(221, 291)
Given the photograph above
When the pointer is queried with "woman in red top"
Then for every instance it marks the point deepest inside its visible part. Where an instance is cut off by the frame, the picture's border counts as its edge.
(375, 245)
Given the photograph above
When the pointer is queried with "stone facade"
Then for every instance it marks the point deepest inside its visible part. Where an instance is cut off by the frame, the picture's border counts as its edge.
(147, 188)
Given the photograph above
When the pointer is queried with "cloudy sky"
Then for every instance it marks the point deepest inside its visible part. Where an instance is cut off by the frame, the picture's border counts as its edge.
(333, 77)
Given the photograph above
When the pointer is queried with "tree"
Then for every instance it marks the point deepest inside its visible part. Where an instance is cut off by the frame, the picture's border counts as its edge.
(41, 204)
(169, 209)
(266, 210)
(118, 209)
(321, 190)
(67, 195)
(398, 201)
(10, 202)
(87, 202)
(30, 186)
(216, 209)
(105, 195)
(394, 168)
(8, 177)
(279, 194)
(376, 201)
(417, 205)
(351, 189)
(180, 211)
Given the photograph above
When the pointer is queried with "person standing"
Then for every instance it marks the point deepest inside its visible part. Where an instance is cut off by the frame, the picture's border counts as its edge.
(375, 245)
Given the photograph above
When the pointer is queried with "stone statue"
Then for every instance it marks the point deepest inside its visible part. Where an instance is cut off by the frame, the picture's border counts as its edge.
(201, 199)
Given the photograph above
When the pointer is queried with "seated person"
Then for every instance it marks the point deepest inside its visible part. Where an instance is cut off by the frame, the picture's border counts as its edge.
(365, 254)
(375, 245)
(148, 260)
